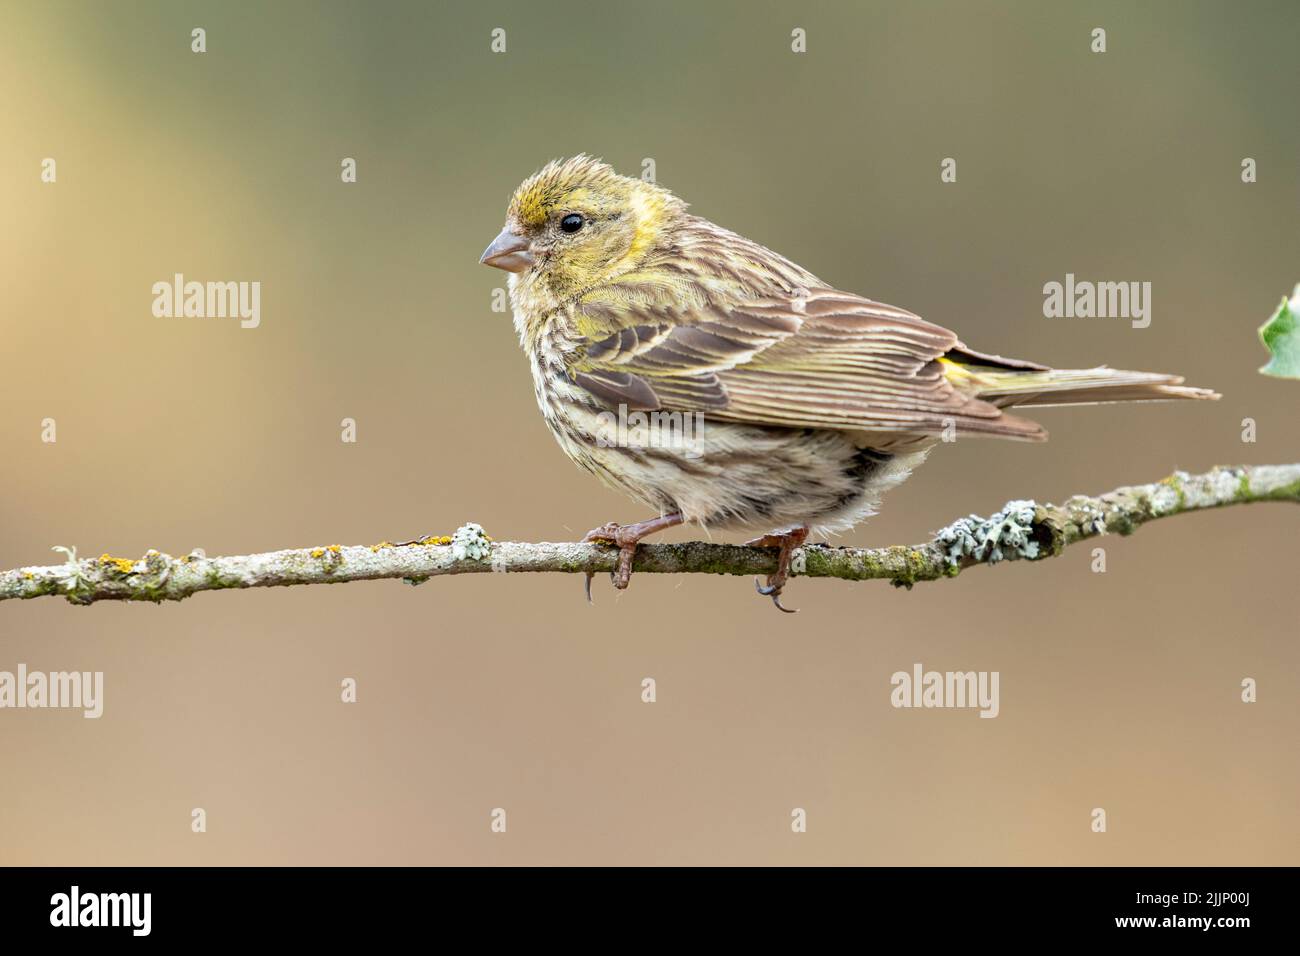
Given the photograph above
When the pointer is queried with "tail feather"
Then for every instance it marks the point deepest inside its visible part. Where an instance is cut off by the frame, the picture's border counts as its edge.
(1092, 386)
(1109, 394)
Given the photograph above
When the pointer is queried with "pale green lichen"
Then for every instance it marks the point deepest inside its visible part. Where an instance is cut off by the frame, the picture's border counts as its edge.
(1289, 492)
(1169, 495)
(69, 579)
(470, 543)
(915, 566)
(1006, 535)
(1224, 483)
(1086, 515)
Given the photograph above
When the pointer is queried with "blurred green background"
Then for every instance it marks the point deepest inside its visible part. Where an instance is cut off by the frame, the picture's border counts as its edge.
(1119, 690)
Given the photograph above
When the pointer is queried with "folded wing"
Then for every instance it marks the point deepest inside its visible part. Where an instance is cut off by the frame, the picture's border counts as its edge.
(814, 358)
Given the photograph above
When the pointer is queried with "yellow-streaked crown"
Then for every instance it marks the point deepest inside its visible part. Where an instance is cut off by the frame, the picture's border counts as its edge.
(585, 183)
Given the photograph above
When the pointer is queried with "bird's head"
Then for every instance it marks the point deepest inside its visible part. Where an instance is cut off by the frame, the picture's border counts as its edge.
(576, 223)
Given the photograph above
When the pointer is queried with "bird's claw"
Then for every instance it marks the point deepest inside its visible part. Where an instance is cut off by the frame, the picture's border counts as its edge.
(607, 533)
(787, 541)
(613, 580)
(625, 538)
(774, 593)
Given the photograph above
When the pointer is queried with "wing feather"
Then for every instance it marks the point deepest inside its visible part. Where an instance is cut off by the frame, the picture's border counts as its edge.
(742, 341)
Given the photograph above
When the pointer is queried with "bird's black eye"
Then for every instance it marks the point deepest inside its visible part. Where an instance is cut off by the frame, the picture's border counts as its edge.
(571, 223)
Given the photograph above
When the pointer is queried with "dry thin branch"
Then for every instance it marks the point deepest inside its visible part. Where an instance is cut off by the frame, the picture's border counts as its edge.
(1022, 529)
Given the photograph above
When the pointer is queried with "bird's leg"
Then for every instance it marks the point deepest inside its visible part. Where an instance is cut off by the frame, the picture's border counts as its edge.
(626, 537)
(787, 541)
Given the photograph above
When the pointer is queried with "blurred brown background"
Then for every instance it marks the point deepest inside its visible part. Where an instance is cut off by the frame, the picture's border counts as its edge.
(1118, 690)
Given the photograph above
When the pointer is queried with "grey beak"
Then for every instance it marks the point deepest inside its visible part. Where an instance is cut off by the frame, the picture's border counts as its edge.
(508, 251)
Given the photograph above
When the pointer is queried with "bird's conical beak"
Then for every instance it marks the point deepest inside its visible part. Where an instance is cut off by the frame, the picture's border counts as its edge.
(508, 251)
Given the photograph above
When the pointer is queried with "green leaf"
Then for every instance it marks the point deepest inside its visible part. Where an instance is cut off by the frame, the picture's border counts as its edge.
(1281, 336)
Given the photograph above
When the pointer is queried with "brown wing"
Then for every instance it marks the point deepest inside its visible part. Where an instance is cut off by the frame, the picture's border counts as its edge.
(813, 358)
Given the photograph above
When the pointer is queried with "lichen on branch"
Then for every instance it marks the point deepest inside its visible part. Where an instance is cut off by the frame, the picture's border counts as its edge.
(1022, 530)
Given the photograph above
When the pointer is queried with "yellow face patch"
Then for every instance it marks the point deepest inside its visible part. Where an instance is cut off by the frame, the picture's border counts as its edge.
(647, 210)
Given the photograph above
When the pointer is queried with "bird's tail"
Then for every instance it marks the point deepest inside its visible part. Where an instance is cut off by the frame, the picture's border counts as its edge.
(1021, 387)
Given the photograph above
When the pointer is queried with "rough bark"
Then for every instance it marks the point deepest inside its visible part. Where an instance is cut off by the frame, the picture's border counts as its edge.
(1022, 530)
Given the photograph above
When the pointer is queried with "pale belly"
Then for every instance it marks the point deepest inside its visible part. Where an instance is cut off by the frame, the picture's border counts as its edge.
(722, 474)
(725, 475)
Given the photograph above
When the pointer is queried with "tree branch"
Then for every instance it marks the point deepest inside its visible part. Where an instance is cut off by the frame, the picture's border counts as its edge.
(1021, 530)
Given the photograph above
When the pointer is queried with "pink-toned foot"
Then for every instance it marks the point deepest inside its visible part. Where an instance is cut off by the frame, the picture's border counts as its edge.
(626, 537)
(787, 541)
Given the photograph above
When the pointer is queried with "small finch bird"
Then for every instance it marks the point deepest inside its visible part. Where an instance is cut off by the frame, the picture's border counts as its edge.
(717, 382)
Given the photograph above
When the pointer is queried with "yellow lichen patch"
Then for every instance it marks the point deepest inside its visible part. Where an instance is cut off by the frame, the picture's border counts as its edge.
(381, 546)
(28, 575)
(335, 548)
(123, 565)
(436, 539)
(318, 552)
